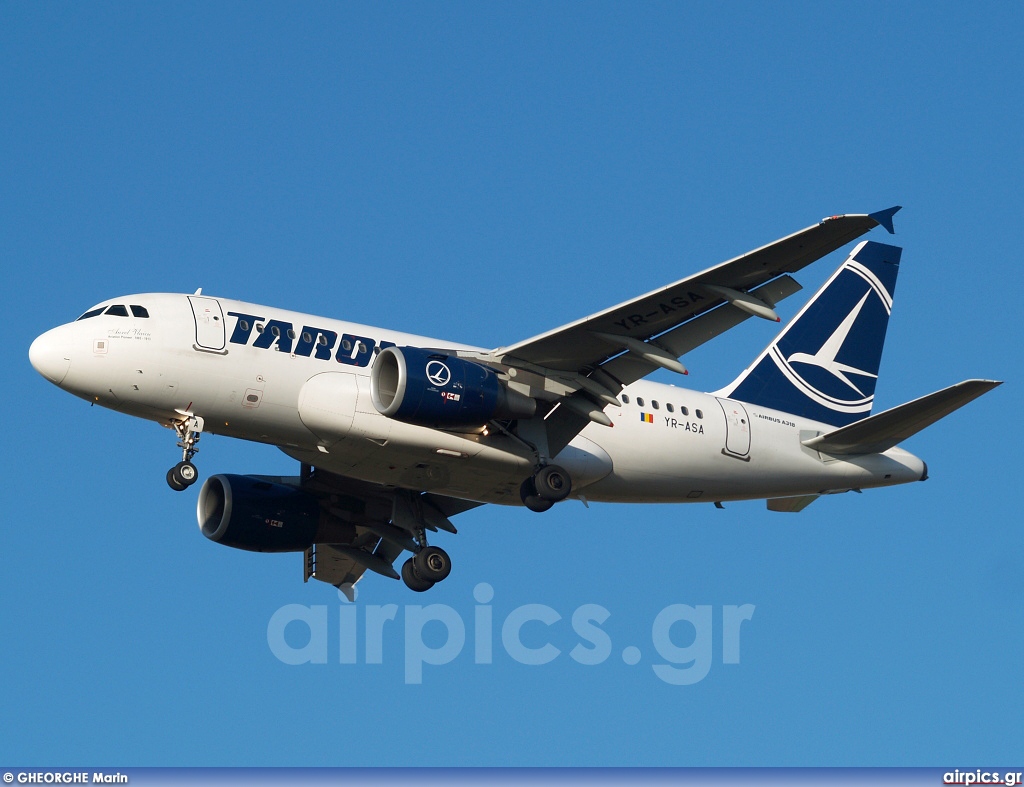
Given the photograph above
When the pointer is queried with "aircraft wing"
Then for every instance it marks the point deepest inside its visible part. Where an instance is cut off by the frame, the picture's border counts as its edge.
(380, 519)
(576, 346)
(583, 365)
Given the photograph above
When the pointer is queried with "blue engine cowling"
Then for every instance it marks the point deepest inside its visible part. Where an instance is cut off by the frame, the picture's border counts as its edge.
(433, 388)
(249, 513)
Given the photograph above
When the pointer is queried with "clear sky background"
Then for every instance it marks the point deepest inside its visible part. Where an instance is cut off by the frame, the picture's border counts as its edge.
(482, 174)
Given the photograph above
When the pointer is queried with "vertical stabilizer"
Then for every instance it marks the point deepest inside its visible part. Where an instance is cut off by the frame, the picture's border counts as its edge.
(824, 364)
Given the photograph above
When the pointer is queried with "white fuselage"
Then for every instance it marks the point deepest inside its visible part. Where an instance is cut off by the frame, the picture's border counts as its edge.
(205, 357)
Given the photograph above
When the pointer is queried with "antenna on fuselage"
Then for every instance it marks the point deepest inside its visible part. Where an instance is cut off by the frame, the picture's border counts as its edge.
(198, 292)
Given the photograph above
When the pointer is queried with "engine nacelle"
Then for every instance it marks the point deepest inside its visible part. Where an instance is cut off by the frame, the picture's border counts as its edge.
(249, 513)
(432, 388)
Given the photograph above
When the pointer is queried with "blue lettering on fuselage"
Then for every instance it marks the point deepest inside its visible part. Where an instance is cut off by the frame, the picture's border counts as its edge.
(355, 350)
(275, 331)
(243, 327)
(320, 338)
(350, 349)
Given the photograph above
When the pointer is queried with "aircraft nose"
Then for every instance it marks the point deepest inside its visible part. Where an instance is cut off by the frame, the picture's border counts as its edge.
(50, 356)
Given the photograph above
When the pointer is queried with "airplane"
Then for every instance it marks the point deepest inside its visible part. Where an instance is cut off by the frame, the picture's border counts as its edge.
(396, 434)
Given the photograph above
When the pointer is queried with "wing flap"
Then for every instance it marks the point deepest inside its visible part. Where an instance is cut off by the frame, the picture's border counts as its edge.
(330, 565)
(791, 505)
(882, 431)
(629, 367)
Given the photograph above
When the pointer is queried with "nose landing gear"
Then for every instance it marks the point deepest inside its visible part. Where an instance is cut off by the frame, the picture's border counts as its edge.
(184, 474)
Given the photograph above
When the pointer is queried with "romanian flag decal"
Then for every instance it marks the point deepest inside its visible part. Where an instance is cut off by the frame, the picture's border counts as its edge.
(647, 418)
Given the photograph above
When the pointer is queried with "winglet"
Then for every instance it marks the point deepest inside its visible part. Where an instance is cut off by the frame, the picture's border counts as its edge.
(884, 217)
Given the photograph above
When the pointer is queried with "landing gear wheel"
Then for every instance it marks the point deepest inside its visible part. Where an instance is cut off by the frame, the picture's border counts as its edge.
(186, 473)
(530, 498)
(552, 483)
(173, 482)
(432, 564)
(412, 580)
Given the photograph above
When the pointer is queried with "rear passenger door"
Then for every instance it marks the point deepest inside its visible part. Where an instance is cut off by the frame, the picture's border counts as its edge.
(737, 428)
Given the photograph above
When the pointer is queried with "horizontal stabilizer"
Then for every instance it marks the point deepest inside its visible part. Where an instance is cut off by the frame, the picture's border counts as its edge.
(880, 432)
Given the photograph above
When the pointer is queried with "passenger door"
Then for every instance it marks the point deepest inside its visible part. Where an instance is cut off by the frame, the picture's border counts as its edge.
(210, 332)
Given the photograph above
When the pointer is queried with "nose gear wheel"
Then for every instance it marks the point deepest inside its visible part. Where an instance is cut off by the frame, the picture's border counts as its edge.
(184, 474)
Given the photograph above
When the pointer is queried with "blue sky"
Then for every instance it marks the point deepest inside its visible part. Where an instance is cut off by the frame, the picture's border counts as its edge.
(485, 173)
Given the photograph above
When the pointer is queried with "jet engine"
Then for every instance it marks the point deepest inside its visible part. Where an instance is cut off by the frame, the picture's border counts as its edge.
(247, 512)
(432, 388)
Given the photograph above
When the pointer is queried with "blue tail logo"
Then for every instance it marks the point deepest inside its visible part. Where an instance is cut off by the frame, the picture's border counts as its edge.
(824, 365)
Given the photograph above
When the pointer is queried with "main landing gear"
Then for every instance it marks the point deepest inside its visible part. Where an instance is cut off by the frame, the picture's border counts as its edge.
(426, 567)
(548, 485)
(184, 474)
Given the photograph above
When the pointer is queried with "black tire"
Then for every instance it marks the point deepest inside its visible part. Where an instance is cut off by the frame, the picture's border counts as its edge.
(412, 580)
(552, 483)
(173, 482)
(530, 498)
(432, 564)
(186, 473)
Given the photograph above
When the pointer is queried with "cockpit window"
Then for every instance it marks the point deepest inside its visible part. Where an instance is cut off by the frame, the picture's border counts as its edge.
(91, 313)
(139, 311)
(117, 311)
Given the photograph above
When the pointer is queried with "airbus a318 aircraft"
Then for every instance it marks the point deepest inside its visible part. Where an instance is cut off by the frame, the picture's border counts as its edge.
(396, 434)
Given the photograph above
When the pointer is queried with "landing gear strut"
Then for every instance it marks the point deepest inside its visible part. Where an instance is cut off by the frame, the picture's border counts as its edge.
(428, 566)
(548, 485)
(184, 474)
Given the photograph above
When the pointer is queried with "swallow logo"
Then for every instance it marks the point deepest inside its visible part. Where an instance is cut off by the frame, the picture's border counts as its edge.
(438, 373)
(825, 358)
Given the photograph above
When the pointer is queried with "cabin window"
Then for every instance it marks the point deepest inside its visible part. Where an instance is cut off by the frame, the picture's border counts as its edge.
(625, 398)
(346, 345)
(699, 413)
(669, 407)
(243, 324)
(321, 340)
(362, 347)
(276, 331)
(654, 403)
(91, 313)
(684, 410)
(117, 311)
(639, 401)
(139, 311)
(291, 334)
(307, 337)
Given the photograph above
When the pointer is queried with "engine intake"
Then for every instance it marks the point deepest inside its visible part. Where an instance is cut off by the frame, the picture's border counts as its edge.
(432, 388)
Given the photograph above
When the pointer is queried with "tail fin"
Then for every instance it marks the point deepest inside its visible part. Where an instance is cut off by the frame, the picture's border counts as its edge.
(824, 364)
